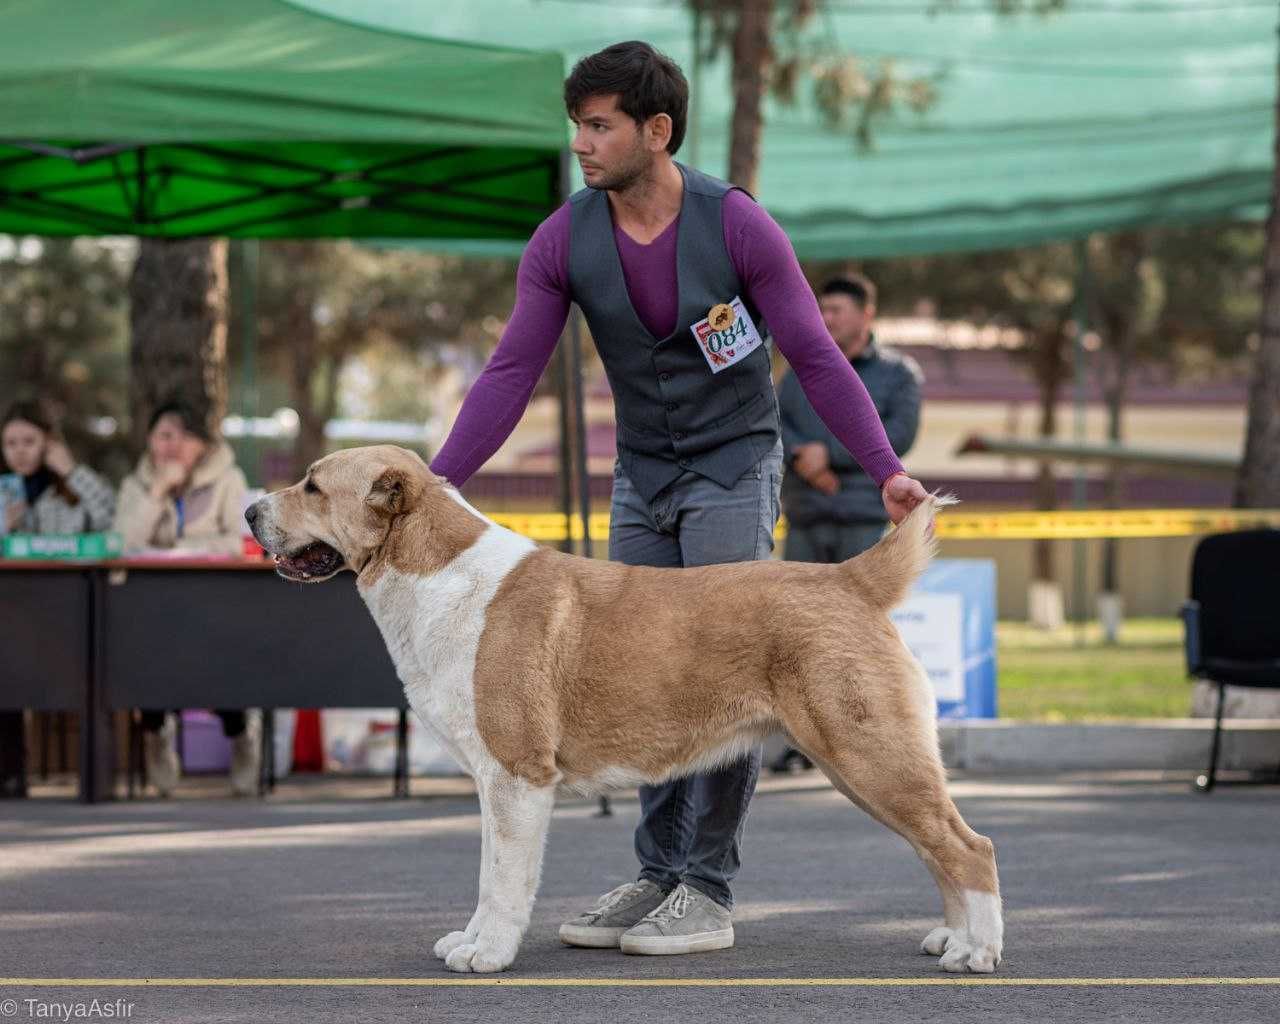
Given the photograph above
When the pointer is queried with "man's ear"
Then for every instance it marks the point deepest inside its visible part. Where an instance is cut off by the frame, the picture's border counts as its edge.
(391, 494)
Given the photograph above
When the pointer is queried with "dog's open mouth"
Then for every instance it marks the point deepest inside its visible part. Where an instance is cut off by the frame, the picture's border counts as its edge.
(312, 564)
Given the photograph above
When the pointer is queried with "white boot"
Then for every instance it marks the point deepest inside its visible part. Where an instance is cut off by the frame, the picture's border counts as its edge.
(163, 766)
(246, 756)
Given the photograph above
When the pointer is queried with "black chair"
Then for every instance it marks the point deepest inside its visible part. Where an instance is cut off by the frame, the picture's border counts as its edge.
(1233, 622)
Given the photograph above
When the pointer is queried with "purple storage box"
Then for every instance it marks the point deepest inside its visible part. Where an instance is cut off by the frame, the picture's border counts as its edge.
(204, 747)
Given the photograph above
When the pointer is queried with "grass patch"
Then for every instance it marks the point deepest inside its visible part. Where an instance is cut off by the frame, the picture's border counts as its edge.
(1067, 677)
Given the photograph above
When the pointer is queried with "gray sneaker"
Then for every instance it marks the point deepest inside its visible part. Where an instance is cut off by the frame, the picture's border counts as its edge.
(687, 922)
(615, 912)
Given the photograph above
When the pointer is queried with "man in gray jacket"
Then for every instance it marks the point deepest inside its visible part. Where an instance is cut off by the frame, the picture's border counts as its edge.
(834, 510)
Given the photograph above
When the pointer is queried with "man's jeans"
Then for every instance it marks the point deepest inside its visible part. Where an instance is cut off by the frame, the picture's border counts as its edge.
(830, 542)
(690, 829)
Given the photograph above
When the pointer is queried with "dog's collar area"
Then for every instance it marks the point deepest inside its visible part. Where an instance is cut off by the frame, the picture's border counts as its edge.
(376, 553)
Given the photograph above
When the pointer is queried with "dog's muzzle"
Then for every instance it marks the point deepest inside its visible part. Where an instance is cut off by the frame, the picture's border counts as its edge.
(311, 563)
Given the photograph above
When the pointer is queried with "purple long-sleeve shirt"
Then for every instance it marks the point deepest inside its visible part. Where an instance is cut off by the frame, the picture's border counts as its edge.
(772, 280)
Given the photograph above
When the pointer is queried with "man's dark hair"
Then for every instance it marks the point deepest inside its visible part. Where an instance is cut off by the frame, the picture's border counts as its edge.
(191, 421)
(859, 288)
(646, 83)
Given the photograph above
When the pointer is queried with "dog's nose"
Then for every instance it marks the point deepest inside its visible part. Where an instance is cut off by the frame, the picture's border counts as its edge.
(251, 514)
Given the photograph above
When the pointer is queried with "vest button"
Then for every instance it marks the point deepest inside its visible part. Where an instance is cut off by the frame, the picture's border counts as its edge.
(672, 407)
(678, 436)
(684, 463)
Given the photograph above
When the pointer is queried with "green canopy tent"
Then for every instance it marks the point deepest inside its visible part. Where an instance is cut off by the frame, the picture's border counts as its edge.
(256, 119)
(265, 119)
(1105, 115)
(259, 118)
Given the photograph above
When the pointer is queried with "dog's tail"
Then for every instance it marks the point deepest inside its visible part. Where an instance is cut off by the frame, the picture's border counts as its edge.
(886, 573)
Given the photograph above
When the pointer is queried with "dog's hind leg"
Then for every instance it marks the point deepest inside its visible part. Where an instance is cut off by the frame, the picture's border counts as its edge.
(516, 816)
(886, 761)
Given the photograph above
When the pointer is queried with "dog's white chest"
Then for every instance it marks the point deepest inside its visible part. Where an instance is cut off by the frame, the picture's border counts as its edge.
(432, 625)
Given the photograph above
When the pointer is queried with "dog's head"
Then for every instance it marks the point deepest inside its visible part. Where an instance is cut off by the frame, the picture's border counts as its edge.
(342, 513)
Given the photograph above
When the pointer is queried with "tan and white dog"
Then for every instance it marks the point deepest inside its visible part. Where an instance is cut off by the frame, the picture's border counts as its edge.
(536, 668)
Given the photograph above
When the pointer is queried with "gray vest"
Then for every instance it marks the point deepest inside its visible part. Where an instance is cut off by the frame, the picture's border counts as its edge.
(673, 414)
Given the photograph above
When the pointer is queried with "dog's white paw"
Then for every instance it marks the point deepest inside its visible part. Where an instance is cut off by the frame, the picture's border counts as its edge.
(480, 958)
(963, 955)
(936, 942)
(451, 942)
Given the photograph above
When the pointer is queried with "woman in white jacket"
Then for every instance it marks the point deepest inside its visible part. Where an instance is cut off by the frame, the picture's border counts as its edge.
(187, 493)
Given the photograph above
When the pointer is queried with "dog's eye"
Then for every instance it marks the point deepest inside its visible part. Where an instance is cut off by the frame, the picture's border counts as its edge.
(310, 487)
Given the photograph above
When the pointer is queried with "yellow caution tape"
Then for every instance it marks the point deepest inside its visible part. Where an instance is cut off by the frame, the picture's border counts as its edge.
(1072, 525)
(1076, 525)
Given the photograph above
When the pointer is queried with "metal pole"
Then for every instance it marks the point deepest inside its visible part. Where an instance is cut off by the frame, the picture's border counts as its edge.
(580, 429)
(564, 390)
(695, 91)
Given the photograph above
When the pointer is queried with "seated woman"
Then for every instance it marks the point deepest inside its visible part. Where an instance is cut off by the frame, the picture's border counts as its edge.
(187, 494)
(58, 495)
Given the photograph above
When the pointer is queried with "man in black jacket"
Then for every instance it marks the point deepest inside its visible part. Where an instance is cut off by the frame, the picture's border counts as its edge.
(834, 510)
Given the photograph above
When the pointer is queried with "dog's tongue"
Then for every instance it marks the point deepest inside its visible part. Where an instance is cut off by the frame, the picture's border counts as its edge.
(313, 557)
(312, 560)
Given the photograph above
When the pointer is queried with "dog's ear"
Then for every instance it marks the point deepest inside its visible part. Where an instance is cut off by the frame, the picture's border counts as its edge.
(392, 493)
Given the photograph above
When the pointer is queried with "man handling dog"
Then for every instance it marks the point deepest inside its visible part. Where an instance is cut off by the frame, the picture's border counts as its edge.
(678, 275)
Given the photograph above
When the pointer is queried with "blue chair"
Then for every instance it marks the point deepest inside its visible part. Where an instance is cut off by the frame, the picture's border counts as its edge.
(1232, 622)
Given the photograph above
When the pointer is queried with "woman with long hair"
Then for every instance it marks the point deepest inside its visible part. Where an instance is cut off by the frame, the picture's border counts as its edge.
(59, 494)
(47, 491)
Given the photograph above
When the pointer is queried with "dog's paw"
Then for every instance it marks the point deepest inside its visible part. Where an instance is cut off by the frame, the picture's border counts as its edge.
(963, 955)
(451, 942)
(936, 942)
(479, 958)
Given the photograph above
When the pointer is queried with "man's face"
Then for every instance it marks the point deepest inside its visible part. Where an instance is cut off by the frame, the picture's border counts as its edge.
(848, 322)
(609, 145)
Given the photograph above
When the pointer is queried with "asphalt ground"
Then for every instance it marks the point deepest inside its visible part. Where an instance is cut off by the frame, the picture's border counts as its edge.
(1127, 897)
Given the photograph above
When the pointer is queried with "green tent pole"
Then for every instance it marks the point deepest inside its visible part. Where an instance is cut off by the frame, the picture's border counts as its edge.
(247, 249)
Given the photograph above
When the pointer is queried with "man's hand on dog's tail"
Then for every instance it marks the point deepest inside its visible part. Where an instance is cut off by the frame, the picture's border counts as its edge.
(900, 495)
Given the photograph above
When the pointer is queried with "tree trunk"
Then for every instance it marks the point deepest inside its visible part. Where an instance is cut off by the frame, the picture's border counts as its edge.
(1120, 321)
(314, 415)
(1049, 377)
(1117, 391)
(178, 315)
(304, 349)
(1121, 338)
(752, 55)
(1259, 483)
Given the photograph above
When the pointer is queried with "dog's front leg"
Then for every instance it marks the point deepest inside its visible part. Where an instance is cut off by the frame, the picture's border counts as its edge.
(516, 815)
(453, 940)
